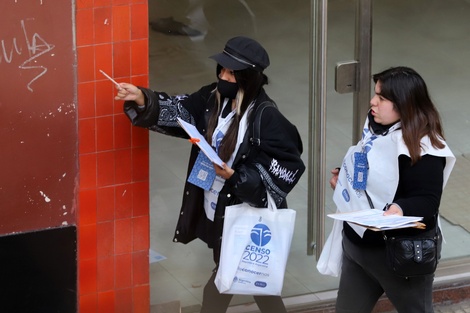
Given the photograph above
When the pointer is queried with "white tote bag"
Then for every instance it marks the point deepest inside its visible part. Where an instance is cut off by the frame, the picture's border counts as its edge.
(331, 257)
(255, 247)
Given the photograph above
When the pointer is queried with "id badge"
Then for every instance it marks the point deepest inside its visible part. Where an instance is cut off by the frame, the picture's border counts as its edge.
(360, 170)
(203, 172)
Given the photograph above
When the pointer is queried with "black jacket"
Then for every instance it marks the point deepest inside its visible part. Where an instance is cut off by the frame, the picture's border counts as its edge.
(272, 164)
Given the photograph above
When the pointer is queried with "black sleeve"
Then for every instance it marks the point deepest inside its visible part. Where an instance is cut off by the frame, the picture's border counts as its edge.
(143, 116)
(275, 165)
(161, 110)
(420, 186)
(247, 186)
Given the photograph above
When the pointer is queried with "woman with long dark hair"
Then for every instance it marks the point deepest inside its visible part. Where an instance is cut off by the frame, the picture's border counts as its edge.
(407, 164)
(225, 112)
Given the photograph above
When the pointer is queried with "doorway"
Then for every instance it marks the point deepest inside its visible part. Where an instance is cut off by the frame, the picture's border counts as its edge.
(416, 34)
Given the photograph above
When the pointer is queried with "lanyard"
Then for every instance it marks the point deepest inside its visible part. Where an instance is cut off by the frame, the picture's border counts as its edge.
(222, 125)
(368, 136)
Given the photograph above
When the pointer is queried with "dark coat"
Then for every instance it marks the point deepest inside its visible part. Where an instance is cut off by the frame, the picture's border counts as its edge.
(273, 165)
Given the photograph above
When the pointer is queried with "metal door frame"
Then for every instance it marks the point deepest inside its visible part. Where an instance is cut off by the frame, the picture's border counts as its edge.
(358, 80)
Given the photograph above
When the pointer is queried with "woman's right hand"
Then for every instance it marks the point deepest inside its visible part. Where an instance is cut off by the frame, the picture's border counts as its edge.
(334, 177)
(129, 92)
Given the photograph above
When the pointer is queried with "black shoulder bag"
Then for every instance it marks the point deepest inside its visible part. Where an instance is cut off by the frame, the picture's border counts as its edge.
(409, 256)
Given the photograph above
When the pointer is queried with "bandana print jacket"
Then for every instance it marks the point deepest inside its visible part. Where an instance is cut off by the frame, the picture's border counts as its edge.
(274, 164)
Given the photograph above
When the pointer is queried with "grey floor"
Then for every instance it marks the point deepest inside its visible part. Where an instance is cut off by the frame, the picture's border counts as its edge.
(431, 36)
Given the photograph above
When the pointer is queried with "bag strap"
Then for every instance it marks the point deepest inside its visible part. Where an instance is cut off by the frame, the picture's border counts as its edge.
(271, 202)
(371, 204)
(255, 139)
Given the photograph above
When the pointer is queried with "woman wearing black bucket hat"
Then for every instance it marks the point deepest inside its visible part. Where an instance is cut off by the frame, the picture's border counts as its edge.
(224, 112)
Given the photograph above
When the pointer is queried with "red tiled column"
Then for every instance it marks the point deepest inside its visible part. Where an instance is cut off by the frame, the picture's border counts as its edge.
(113, 207)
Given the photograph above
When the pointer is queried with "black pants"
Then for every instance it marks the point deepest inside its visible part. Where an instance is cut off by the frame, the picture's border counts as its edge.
(215, 302)
(365, 277)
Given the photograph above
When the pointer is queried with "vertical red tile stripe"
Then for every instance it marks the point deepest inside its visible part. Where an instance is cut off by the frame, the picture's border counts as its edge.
(113, 202)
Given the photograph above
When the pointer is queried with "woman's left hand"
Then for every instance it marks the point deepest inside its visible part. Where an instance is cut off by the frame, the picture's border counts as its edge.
(226, 172)
(334, 177)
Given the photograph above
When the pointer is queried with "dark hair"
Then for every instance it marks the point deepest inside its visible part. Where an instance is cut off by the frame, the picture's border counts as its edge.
(250, 83)
(418, 115)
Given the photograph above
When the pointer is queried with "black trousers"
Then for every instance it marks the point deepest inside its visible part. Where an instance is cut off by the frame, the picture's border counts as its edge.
(215, 302)
(365, 276)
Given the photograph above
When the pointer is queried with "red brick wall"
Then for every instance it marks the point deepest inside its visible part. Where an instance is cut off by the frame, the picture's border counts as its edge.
(112, 215)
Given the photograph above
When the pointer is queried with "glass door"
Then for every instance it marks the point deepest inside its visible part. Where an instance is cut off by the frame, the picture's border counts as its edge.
(183, 34)
(421, 35)
(428, 36)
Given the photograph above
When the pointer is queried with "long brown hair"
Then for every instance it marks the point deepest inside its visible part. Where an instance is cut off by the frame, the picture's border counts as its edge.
(418, 115)
(250, 83)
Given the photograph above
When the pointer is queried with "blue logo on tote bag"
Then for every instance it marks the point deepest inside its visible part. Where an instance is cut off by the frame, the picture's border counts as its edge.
(260, 235)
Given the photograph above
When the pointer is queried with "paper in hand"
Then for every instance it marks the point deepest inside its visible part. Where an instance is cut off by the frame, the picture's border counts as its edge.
(192, 131)
(375, 220)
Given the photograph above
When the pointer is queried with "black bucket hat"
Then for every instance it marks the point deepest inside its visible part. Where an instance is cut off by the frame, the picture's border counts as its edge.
(241, 53)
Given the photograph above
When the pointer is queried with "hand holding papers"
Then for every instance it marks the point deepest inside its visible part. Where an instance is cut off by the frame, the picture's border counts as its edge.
(199, 139)
(375, 220)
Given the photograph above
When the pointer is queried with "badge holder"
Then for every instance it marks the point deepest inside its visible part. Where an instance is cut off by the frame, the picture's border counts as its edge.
(203, 172)
(360, 171)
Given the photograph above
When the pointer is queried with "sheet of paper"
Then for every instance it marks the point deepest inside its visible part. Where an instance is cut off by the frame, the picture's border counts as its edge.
(202, 143)
(374, 218)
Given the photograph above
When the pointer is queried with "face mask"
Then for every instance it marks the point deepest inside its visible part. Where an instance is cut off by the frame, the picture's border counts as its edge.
(227, 89)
